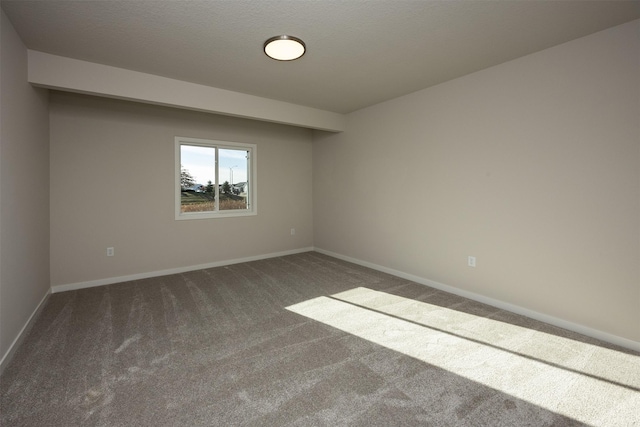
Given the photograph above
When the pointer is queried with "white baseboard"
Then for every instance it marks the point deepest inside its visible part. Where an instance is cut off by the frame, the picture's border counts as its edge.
(594, 333)
(561, 323)
(23, 332)
(120, 279)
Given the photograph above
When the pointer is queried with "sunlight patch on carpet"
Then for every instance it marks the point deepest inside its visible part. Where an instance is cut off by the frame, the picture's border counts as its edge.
(566, 376)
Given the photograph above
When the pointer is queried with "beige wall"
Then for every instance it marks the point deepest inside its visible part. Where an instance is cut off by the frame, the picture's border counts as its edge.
(532, 166)
(24, 190)
(112, 184)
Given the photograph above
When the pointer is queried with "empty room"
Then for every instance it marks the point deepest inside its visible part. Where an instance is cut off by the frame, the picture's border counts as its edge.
(320, 213)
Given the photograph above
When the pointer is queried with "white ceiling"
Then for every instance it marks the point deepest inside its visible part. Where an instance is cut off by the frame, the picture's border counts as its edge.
(359, 52)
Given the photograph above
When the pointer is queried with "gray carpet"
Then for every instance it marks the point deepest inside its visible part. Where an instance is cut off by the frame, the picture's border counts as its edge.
(305, 340)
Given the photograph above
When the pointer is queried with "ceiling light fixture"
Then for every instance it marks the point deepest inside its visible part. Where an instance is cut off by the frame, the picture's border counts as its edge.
(284, 48)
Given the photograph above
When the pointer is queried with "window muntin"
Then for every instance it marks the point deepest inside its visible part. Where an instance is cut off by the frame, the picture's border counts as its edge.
(214, 178)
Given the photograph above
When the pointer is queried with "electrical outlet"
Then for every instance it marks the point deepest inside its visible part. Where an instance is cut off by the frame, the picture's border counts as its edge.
(471, 261)
(110, 252)
(293, 231)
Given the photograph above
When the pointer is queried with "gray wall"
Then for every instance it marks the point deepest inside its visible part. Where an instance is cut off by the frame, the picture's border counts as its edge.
(112, 185)
(24, 190)
(532, 166)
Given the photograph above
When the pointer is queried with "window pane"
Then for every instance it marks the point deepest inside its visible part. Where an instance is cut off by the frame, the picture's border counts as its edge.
(232, 172)
(197, 178)
(213, 180)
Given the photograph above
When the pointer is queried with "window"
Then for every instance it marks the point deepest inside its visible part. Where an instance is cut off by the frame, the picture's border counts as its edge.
(214, 178)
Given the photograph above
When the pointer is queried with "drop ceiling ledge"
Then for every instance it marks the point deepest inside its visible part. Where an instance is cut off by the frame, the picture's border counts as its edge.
(72, 75)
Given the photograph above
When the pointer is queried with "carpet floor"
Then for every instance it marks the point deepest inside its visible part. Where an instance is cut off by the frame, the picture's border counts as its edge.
(306, 340)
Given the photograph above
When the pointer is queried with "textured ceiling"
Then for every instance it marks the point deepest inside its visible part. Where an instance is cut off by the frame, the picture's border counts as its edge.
(359, 52)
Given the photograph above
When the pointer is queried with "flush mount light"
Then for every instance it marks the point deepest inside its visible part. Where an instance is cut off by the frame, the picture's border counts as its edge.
(284, 48)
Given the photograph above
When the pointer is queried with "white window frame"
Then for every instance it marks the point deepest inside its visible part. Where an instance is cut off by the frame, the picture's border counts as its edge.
(252, 199)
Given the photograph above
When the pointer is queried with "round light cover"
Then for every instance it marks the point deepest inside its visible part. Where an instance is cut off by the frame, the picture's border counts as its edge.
(284, 48)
